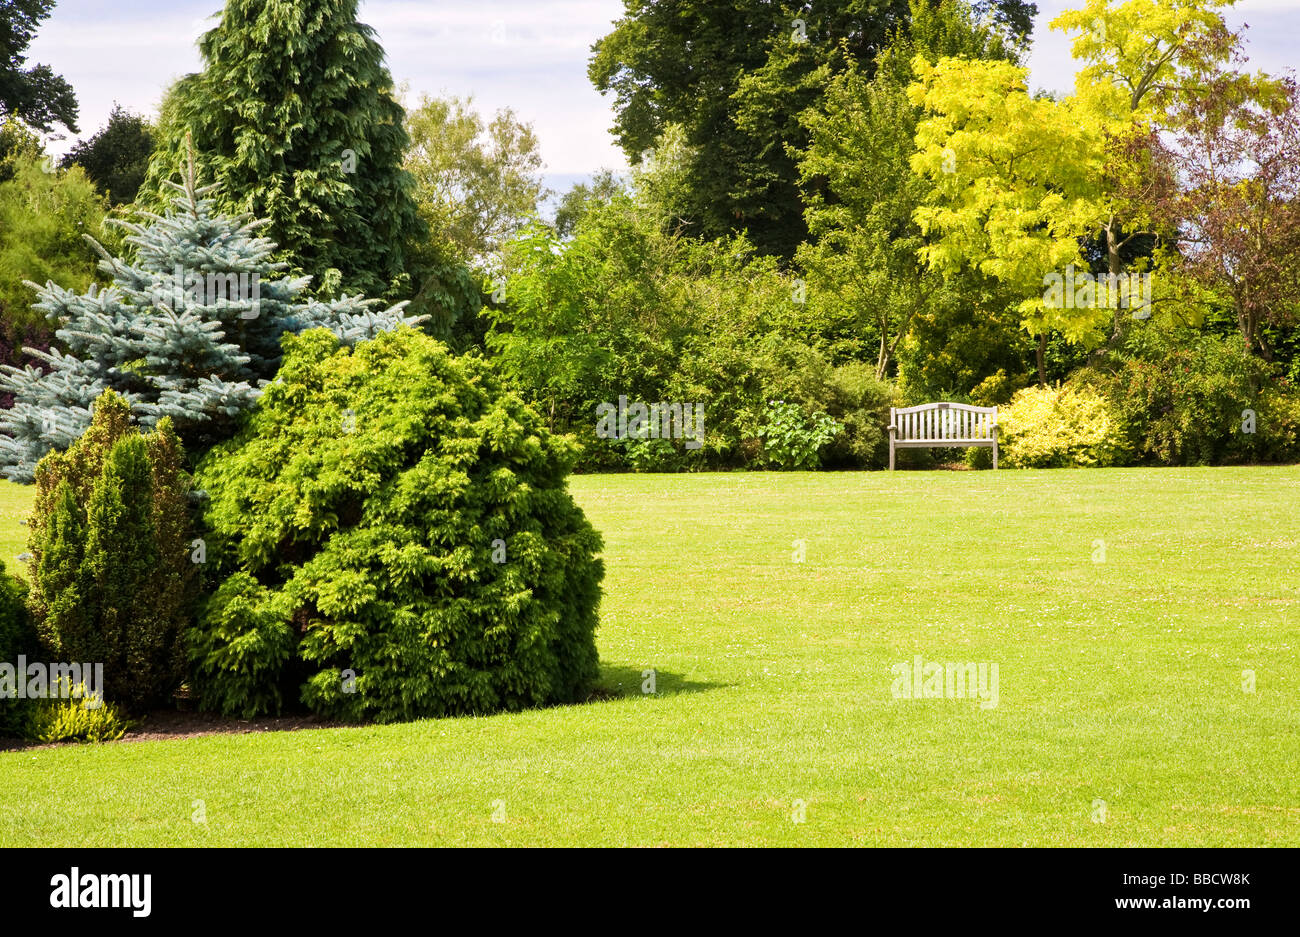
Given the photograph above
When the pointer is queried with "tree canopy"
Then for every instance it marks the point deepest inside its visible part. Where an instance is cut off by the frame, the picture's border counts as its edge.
(294, 117)
(35, 94)
(736, 76)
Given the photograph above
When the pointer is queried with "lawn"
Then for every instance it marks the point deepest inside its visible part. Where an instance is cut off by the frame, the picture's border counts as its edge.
(15, 504)
(1120, 681)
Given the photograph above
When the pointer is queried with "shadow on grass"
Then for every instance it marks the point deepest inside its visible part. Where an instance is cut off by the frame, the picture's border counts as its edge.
(618, 681)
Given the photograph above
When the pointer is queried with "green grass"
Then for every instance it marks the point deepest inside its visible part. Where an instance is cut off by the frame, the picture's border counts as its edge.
(1120, 681)
(15, 505)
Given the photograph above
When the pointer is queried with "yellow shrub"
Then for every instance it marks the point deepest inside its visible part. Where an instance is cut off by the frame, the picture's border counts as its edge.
(1059, 427)
(70, 720)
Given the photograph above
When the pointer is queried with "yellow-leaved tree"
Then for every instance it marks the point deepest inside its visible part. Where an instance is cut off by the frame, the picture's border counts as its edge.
(1025, 186)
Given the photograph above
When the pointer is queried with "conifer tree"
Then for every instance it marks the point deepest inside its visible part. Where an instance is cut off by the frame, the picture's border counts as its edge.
(113, 581)
(294, 116)
(61, 612)
(118, 576)
(189, 329)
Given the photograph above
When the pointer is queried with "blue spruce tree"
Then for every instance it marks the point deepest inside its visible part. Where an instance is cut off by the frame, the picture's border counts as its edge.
(190, 329)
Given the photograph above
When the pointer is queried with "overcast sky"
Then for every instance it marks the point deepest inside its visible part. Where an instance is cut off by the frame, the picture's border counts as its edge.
(530, 55)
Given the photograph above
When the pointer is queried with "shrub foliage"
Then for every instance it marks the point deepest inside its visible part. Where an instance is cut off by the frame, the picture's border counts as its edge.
(113, 580)
(17, 637)
(1058, 427)
(394, 539)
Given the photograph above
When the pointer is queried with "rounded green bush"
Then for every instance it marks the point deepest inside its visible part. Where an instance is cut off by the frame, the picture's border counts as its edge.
(393, 538)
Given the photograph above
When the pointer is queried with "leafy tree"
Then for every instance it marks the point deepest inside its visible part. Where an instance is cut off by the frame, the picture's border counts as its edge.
(867, 278)
(36, 95)
(294, 117)
(190, 329)
(17, 144)
(581, 198)
(475, 185)
(43, 219)
(117, 157)
(631, 307)
(1229, 192)
(736, 76)
(392, 527)
(1022, 184)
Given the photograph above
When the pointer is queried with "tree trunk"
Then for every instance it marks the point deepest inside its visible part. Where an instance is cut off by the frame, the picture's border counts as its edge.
(1041, 354)
(1115, 267)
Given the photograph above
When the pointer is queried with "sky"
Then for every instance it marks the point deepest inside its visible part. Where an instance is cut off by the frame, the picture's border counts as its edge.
(529, 55)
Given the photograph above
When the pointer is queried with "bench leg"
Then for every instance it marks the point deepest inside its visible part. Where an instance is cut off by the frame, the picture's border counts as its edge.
(891, 452)
(995, 453)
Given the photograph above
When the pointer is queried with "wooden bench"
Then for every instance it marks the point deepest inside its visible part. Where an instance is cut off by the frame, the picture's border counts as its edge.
(943, 425)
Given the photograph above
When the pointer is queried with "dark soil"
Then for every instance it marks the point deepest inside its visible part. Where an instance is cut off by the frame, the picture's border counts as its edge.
(175, 724)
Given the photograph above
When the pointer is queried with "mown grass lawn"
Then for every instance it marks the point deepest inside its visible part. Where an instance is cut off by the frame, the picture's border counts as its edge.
(15, 505)
(1119, 681)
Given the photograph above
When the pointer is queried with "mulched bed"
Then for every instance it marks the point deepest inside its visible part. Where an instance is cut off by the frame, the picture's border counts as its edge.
(175, 724)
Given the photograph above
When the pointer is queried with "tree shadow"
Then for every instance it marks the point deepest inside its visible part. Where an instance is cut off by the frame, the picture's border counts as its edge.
(619, 681)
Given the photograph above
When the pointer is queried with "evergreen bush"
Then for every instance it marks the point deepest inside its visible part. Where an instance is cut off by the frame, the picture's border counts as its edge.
(17, 638)
(110, 543)
(393, 538)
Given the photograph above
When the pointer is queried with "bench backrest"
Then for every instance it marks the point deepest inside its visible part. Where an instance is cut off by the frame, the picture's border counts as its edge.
(943, 421)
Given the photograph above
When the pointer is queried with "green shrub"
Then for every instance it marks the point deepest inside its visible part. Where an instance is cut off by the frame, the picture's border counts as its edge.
(1055, 427)
(1182, 396)
(793, 439)
(626, 308)
(860, 403)
(850, 394)
(44, 217)
(241, 648)
(72, 720)
(17, 637)
(113, 581)
(1278, 423)
(396, 540)
(655, 455)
